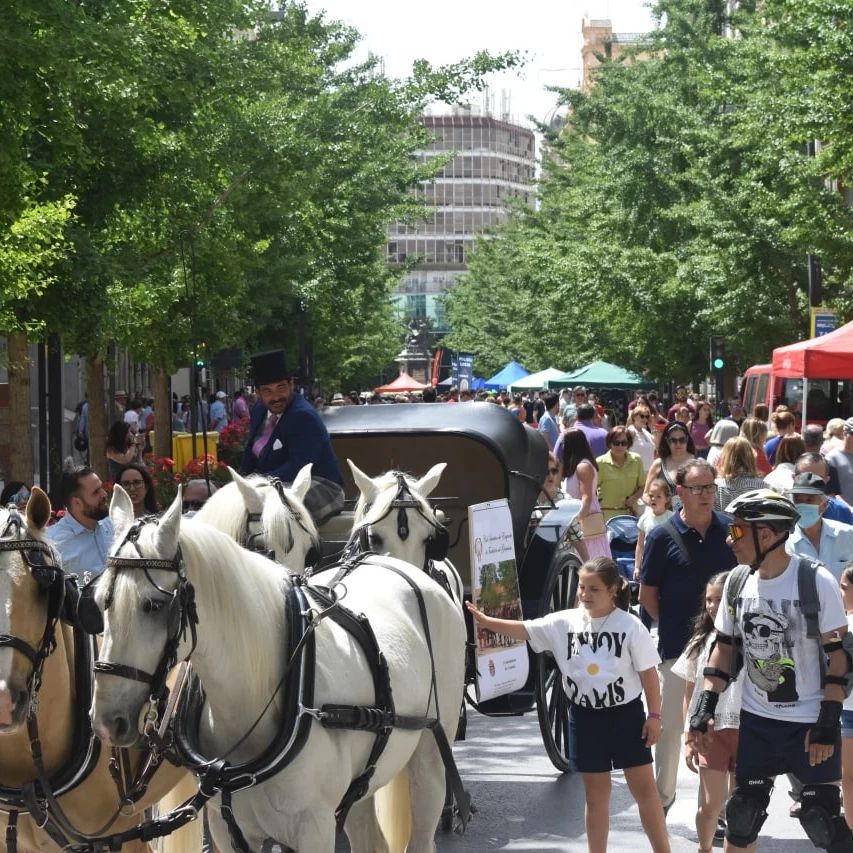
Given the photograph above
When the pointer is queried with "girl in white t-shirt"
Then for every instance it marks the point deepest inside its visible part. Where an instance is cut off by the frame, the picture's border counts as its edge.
(659, 511)
(715, 767)
(608, 661)
(846, 583)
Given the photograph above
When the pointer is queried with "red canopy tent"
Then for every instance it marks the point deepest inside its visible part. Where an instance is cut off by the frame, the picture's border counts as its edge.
(403, 382)
(827, 357)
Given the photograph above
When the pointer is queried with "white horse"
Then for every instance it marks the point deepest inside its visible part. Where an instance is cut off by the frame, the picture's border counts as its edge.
(240, 657)
(265, 515)
(394, 517)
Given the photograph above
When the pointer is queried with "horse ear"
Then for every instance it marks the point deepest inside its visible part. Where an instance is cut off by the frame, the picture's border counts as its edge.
(365, 485)
(170, 522)
(121, 513)
(251, 497)
(430, 480)
(38, 509)
(302, 481)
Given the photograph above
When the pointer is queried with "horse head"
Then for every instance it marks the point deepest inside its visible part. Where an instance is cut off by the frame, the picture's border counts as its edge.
(32, 588)
(142, 594)
(393, 517)
(265, 515)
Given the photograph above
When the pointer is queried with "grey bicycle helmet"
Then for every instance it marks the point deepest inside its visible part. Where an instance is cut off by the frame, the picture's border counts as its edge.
(765, 506)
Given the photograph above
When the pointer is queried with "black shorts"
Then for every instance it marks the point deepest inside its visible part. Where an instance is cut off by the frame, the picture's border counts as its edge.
(771, 747)
(608, 739)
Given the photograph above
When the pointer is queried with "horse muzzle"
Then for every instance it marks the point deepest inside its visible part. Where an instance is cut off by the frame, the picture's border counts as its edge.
(14, 704)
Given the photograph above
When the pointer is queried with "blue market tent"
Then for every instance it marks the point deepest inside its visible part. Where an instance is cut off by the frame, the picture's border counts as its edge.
(506, 376)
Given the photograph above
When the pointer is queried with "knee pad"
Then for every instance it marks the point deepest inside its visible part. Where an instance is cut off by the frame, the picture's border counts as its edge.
(746, 810)
(820, 817)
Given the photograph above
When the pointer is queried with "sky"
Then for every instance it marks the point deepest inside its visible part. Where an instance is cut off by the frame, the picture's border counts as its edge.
(444, 31)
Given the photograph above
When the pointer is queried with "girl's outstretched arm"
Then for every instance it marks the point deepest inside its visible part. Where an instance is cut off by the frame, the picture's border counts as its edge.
(507, 627)
(651, 687)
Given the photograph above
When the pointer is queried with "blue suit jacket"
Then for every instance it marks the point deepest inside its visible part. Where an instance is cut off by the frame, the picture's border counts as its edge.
(299, 437)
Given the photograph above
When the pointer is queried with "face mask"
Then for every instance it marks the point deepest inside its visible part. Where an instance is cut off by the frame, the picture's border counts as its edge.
(809, 515)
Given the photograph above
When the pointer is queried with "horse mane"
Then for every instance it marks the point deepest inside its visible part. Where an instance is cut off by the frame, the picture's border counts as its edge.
(225, 511)
(386, 484)
(240, 594)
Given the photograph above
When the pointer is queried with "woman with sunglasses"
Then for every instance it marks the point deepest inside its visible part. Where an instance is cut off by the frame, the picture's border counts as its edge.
(137, 482)
(645, 442)
(621, 476)
(676, 448)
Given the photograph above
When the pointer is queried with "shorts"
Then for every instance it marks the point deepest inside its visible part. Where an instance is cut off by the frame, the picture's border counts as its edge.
(606, 739)
(722, 755)
(847, 724)
(769, 747)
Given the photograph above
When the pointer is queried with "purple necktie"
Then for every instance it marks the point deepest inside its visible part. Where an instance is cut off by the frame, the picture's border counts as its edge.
(261, 441)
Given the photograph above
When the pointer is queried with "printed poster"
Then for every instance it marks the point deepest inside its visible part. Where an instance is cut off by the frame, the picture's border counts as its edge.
(502, 663)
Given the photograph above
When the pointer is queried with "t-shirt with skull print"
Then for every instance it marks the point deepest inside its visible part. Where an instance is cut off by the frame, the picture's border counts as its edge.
(782, 668)
(600, 659)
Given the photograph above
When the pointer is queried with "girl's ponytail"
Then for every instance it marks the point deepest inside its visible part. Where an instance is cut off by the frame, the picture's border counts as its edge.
(623, 595)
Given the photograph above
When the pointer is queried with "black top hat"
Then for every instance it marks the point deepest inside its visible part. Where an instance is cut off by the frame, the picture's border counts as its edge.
(269, 367)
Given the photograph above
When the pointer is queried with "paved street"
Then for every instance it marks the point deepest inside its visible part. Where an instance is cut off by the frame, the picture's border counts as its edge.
(524, 804)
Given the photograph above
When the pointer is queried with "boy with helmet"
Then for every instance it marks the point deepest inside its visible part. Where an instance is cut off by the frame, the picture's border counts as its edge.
(791, 703)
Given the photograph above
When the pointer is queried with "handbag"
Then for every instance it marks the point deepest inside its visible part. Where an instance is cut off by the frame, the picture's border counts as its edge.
(593, 525)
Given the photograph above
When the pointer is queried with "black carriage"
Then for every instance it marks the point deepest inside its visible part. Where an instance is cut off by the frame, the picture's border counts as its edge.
(490, 455)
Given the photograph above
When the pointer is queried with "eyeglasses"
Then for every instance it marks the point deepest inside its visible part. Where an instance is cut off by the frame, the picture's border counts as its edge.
(736, 532)
(132, 484)
(618, 443)
(677, 439)
(707, 489)
(192, 506)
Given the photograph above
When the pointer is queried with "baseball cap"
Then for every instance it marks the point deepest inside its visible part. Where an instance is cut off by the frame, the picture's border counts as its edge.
(808, 483)
(579, 389)
(221, 395)
(848, 426)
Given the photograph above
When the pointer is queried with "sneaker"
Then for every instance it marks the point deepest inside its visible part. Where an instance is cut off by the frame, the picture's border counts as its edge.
(720, 831)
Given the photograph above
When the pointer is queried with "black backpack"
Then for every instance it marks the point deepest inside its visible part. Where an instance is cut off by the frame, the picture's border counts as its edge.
(809, 607)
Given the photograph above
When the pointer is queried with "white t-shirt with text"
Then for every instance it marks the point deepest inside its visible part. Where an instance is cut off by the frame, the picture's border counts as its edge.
(781, 677)
(600, 658)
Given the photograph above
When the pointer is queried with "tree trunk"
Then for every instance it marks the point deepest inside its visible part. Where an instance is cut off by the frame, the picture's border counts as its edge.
(97, 414)
(20, 422)
(162, 415)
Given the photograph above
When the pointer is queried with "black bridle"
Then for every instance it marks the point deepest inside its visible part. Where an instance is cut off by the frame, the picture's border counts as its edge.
(182, 617)
(436, 546)
(257, 541)
(41, 563)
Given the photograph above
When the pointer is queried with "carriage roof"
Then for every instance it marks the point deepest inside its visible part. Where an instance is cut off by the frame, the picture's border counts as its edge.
(489, 453)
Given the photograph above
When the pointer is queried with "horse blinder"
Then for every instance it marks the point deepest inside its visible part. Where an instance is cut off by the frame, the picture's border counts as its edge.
(438, 544)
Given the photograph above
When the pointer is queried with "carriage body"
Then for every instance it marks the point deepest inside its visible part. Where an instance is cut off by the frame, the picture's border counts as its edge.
(490, 455)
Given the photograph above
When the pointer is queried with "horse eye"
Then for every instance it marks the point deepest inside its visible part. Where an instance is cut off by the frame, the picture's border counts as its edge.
(376, 539)
(152, 605)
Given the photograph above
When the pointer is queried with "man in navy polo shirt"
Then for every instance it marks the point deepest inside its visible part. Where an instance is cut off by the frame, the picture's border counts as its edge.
(678, 560)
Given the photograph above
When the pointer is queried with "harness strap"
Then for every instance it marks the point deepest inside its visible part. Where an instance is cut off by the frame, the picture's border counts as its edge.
(238, 840)
(21, 646)
(12, 832)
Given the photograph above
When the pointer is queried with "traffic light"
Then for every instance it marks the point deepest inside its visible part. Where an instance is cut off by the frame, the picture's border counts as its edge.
(718, 352)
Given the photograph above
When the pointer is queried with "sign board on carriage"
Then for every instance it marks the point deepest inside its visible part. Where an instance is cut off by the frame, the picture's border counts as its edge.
(502, 663)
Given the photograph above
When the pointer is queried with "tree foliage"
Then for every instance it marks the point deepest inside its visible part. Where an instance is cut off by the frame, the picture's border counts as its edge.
(678, 202)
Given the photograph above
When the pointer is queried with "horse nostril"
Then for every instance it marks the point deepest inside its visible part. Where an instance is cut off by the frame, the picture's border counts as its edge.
(120, 727)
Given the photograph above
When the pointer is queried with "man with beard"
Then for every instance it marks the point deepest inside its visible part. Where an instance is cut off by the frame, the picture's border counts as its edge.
(286, 433)
(83, 536)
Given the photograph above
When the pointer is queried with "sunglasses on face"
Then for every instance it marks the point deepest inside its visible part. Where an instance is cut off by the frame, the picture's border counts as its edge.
(736, 532)
(618, 443)
(707, 489)
(677, 439)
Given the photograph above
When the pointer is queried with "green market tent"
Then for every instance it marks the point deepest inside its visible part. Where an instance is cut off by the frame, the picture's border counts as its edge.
(601, 374)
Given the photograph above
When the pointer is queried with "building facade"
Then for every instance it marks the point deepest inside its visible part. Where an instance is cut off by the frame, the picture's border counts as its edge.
(599, 41)
(493, 164)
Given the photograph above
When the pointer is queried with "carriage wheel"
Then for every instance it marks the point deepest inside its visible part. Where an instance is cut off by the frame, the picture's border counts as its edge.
(552, 704)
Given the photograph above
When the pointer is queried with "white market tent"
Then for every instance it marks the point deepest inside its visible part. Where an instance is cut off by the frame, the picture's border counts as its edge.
(536, 380)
